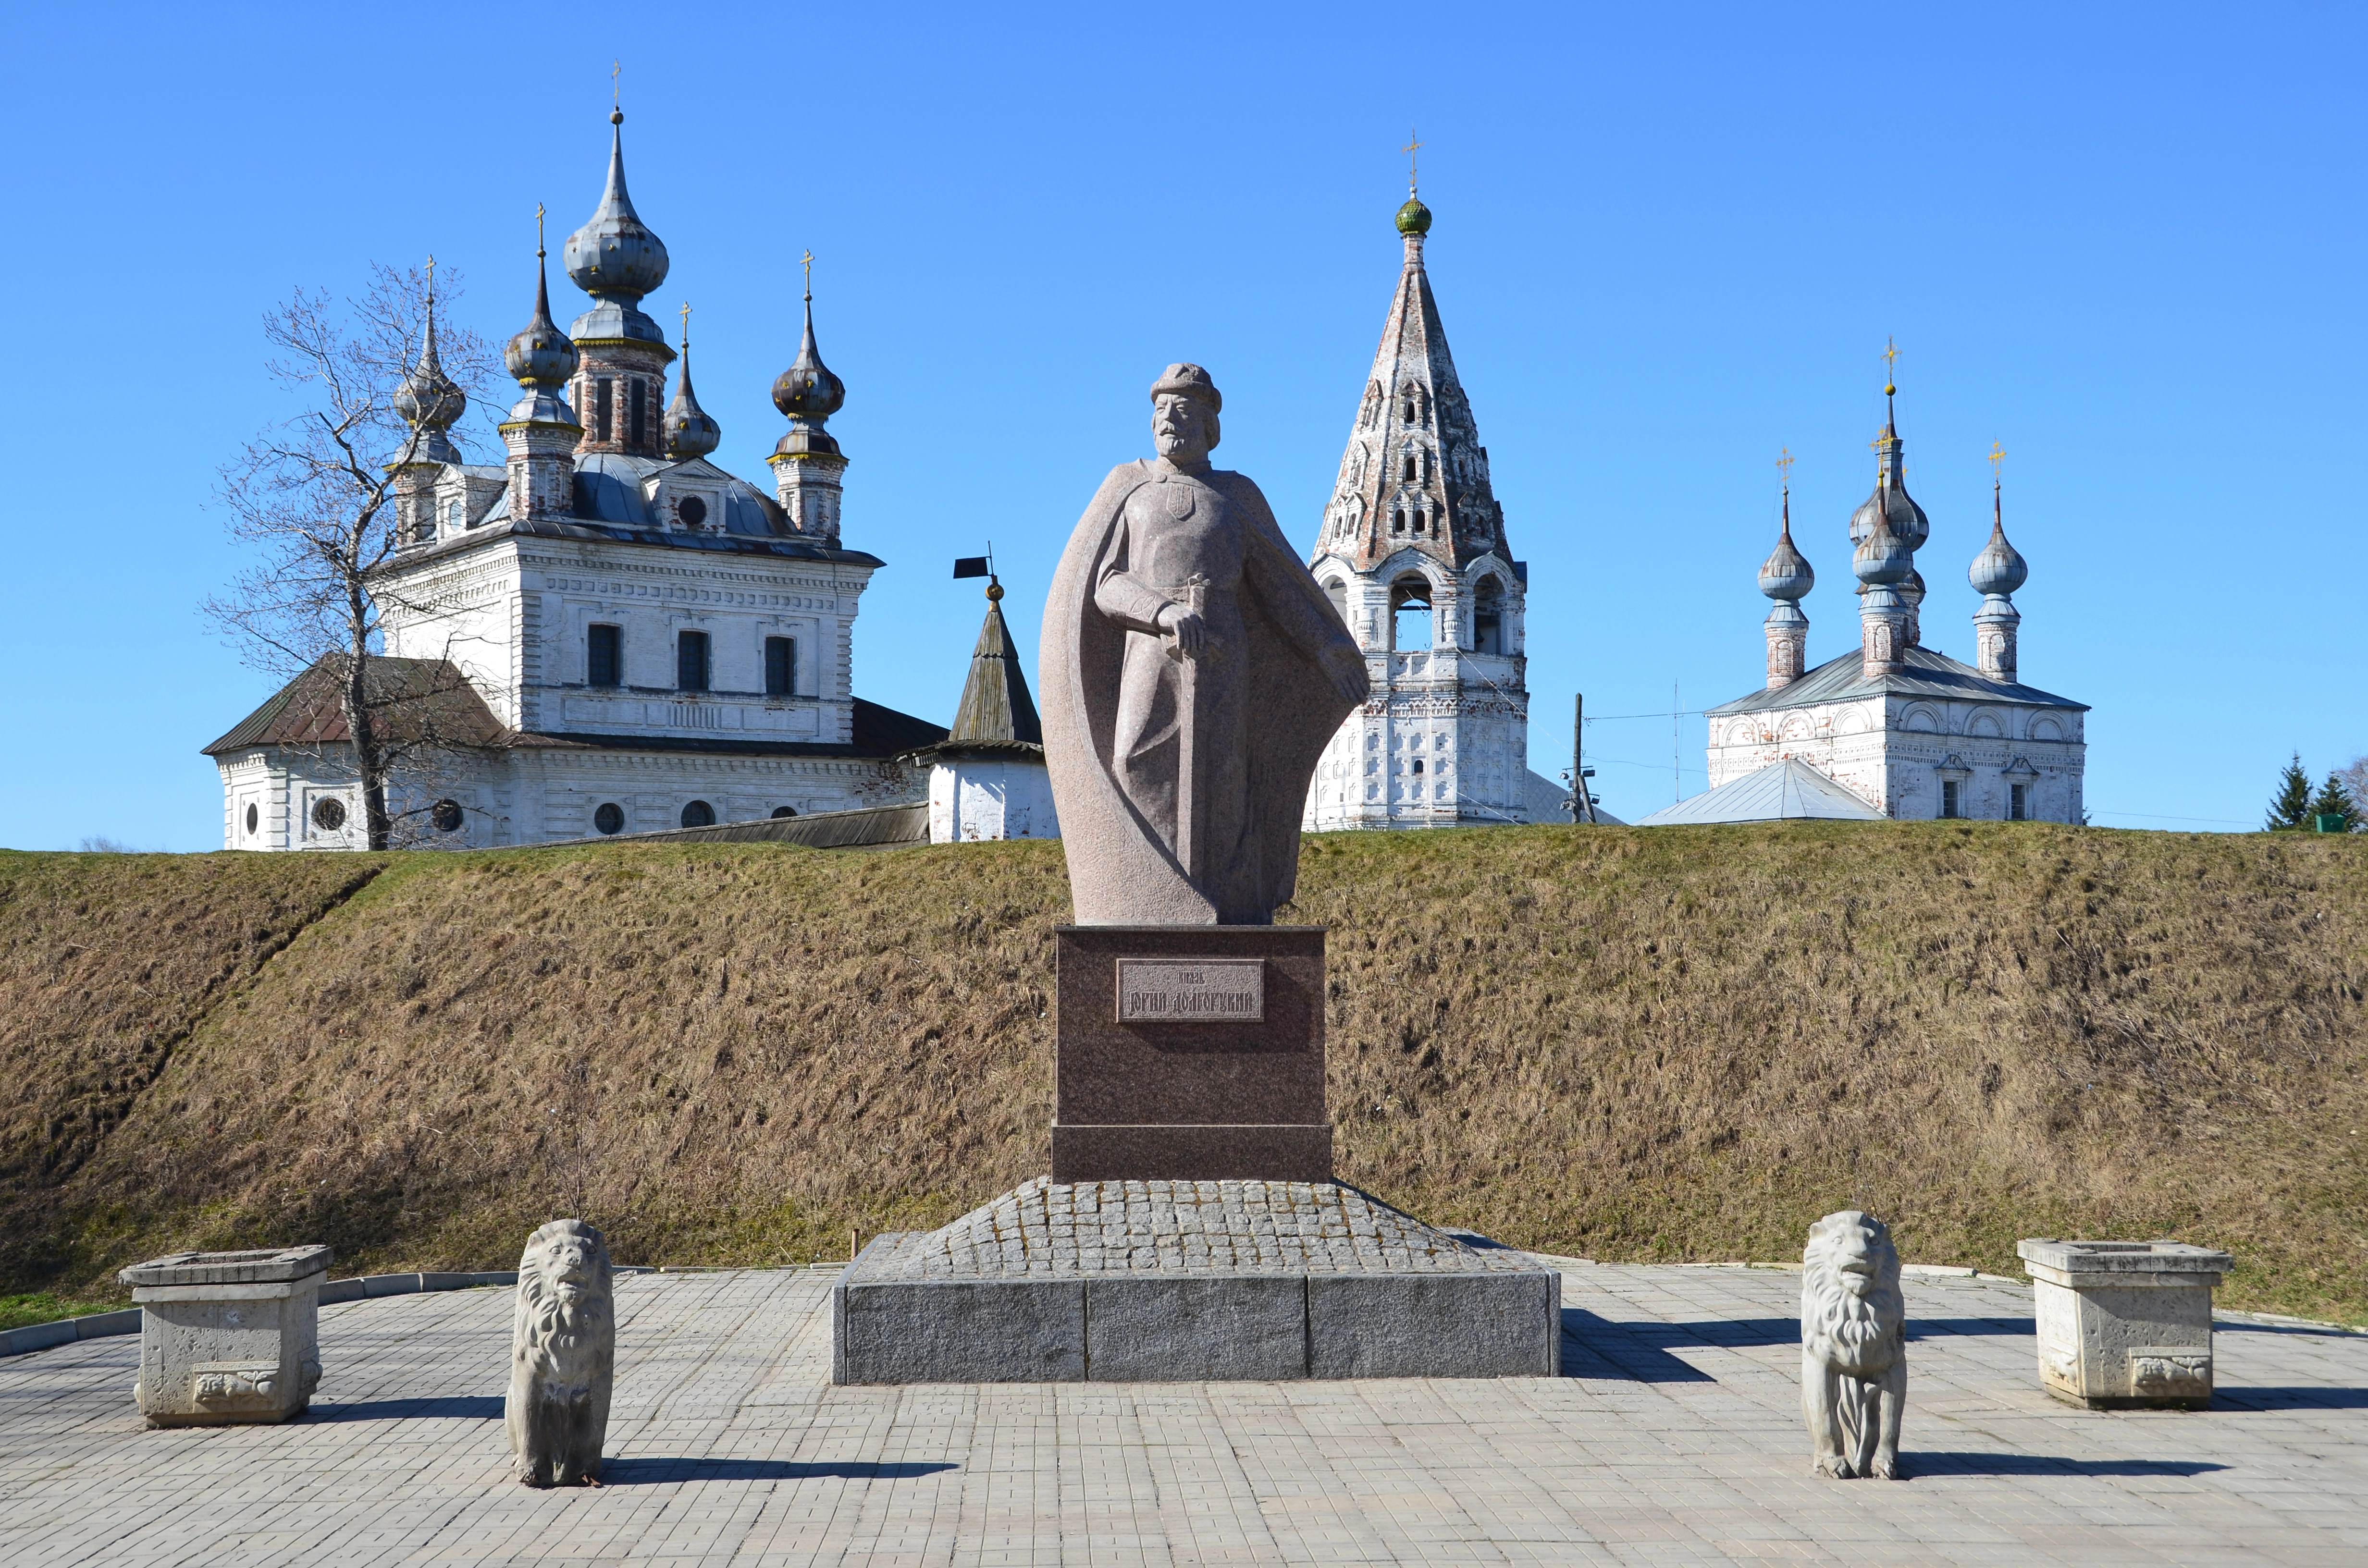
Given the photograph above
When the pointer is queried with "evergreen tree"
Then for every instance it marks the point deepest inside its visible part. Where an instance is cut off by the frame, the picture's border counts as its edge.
(2290, 807)
(2335, 800)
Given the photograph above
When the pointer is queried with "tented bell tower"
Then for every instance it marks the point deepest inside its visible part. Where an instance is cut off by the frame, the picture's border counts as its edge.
(1413, 555)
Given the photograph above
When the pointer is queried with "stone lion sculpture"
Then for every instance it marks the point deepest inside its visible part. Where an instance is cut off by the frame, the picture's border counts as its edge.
(1853, 1347)
(563, 1356)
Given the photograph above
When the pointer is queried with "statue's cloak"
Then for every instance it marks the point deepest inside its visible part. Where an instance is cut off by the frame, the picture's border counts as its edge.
(1121, 870)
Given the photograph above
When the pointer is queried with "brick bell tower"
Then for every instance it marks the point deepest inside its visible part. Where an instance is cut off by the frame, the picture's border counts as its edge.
(619, 390)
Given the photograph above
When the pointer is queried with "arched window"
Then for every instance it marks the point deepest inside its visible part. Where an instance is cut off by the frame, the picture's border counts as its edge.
(1488, 618)
(1337, 592)
(1410, 619)
(699, 814)
(1397, 521)
(1410, 468)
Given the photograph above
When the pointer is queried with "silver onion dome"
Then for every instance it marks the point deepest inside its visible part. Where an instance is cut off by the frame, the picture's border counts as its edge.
(1786, 575)
(1999, 568)
(615, 256)
(690, 431)
(429, 399)
(807, 391)
(1883, 558)
(540, 355)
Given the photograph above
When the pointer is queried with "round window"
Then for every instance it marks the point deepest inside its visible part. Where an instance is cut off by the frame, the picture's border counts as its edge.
(609, 817)
(693, 511)
(252, 816)
(328, 814)
(447, 816)
(777, 810)
(699, 814)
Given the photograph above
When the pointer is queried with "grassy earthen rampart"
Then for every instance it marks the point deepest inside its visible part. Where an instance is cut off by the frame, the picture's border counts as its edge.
(1670, 1044)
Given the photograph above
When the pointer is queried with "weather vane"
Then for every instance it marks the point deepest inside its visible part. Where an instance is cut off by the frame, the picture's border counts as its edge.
(1413, 150)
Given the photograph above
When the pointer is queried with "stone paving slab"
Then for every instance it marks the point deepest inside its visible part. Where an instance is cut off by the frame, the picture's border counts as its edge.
(1674, 1437)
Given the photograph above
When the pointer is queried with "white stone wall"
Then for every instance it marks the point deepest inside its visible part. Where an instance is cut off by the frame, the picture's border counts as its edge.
(534, 795)
(515, 617)
(1444, 738)
(977, 798)
(1893, 752)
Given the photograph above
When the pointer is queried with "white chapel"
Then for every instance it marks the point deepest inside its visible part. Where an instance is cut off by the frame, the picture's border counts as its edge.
(608, 634)
(1413, 554)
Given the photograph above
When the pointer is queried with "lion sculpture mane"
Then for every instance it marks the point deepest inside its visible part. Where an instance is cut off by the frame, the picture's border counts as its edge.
(563, 1356)
(1853, 1347)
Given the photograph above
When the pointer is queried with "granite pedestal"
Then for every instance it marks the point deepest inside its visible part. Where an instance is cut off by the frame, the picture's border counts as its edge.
(1169, 1281)
(228, 1337)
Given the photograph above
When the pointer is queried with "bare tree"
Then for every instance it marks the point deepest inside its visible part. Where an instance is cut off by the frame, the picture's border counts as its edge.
(380, 380)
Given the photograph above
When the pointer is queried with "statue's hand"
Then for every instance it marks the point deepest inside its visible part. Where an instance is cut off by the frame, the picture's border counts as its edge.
(1187, 627)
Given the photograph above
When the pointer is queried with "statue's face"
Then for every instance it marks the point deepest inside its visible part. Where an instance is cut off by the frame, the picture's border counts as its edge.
(1179, 426)
(570, 1267)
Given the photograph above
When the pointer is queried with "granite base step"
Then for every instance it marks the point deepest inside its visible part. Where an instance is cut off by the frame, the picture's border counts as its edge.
(1153, 1282)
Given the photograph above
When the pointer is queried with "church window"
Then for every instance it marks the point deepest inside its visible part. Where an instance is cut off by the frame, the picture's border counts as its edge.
(1488, 618)
(1337, 592)
(693, 511)
(1949, 798)
(604, 397)
(604, 655)
(699, 814)
(2017, 802)
(780, 811)
(328, 814)
(252, 816)
(780, 666)
(1397, 521)
(636, 402)
(1412, 468)
(609, 817)
(1410, 619)
(690, 661)
(1418, 765)
(447, 816)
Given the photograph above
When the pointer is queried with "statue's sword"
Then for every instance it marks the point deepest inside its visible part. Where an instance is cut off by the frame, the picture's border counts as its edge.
(1193, 595)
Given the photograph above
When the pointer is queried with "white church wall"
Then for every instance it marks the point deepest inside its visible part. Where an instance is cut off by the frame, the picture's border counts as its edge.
(1895, 753)
(981, 798)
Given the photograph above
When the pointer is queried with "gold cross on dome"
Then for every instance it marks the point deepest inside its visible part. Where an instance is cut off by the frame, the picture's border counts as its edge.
(1890, 354)
(1413, 150)
(537, 228)
(1784, 465)
(806, 261)
(1997, 457)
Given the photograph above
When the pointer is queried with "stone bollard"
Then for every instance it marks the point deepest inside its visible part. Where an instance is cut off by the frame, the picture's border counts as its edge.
(563, 1356)
(1853, 1347)
(228, 1337)
(2124, 1324)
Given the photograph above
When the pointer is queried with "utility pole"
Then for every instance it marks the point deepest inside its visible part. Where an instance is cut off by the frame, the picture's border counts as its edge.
(1582, 805)
(1676, 788)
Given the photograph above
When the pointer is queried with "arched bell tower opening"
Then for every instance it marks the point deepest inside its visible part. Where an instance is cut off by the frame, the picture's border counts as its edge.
(1410, 614)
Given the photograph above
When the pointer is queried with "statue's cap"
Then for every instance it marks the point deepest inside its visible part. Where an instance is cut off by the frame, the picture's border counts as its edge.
(1188, 381)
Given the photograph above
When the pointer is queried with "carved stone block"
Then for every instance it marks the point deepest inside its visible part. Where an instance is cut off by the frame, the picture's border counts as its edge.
(228, 1337)
(2124, 1324)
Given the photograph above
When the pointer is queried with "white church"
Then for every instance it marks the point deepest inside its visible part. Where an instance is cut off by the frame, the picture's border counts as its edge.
(1413, 553)
(608, 634)
(1893, 728)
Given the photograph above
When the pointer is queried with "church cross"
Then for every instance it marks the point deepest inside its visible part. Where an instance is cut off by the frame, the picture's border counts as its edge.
(686, 319)
(1998, 457)
(431, 282)
(807, 262)
(1784, 466)
(538, 230)
(615, 92)
(1413, 150)
(1890, 354)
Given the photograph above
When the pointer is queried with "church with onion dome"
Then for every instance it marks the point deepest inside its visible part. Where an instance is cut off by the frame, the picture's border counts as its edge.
(1892, 728)
(607, 633)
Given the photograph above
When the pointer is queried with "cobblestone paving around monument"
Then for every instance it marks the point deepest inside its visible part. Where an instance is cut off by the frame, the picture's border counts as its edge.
(1056, 1230)
(1676, 1438)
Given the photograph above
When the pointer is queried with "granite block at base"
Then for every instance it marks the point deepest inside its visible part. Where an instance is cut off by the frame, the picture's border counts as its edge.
(2124, 1324)
(1164, 1281)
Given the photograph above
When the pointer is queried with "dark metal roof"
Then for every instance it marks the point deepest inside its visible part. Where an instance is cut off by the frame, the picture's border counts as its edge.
(415, 699)
(878, 731)
(1928, 675)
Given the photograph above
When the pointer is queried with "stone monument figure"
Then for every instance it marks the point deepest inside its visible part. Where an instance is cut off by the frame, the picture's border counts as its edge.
(563, 1356)
(1192, 672)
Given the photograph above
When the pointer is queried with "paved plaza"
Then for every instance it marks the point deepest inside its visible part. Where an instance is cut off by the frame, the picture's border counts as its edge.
(1674, 1437)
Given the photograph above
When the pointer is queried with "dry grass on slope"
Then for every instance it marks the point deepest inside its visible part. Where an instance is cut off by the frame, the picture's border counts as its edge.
(107, 962)
(1676, 1043)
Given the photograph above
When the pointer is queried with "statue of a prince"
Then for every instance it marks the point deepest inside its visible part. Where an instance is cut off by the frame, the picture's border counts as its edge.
(1192, 672)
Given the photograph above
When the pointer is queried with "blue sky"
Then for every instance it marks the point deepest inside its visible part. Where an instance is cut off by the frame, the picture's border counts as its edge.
(2124, 240)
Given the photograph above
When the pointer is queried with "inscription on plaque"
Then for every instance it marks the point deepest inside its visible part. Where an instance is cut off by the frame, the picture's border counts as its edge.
(1192, 991)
